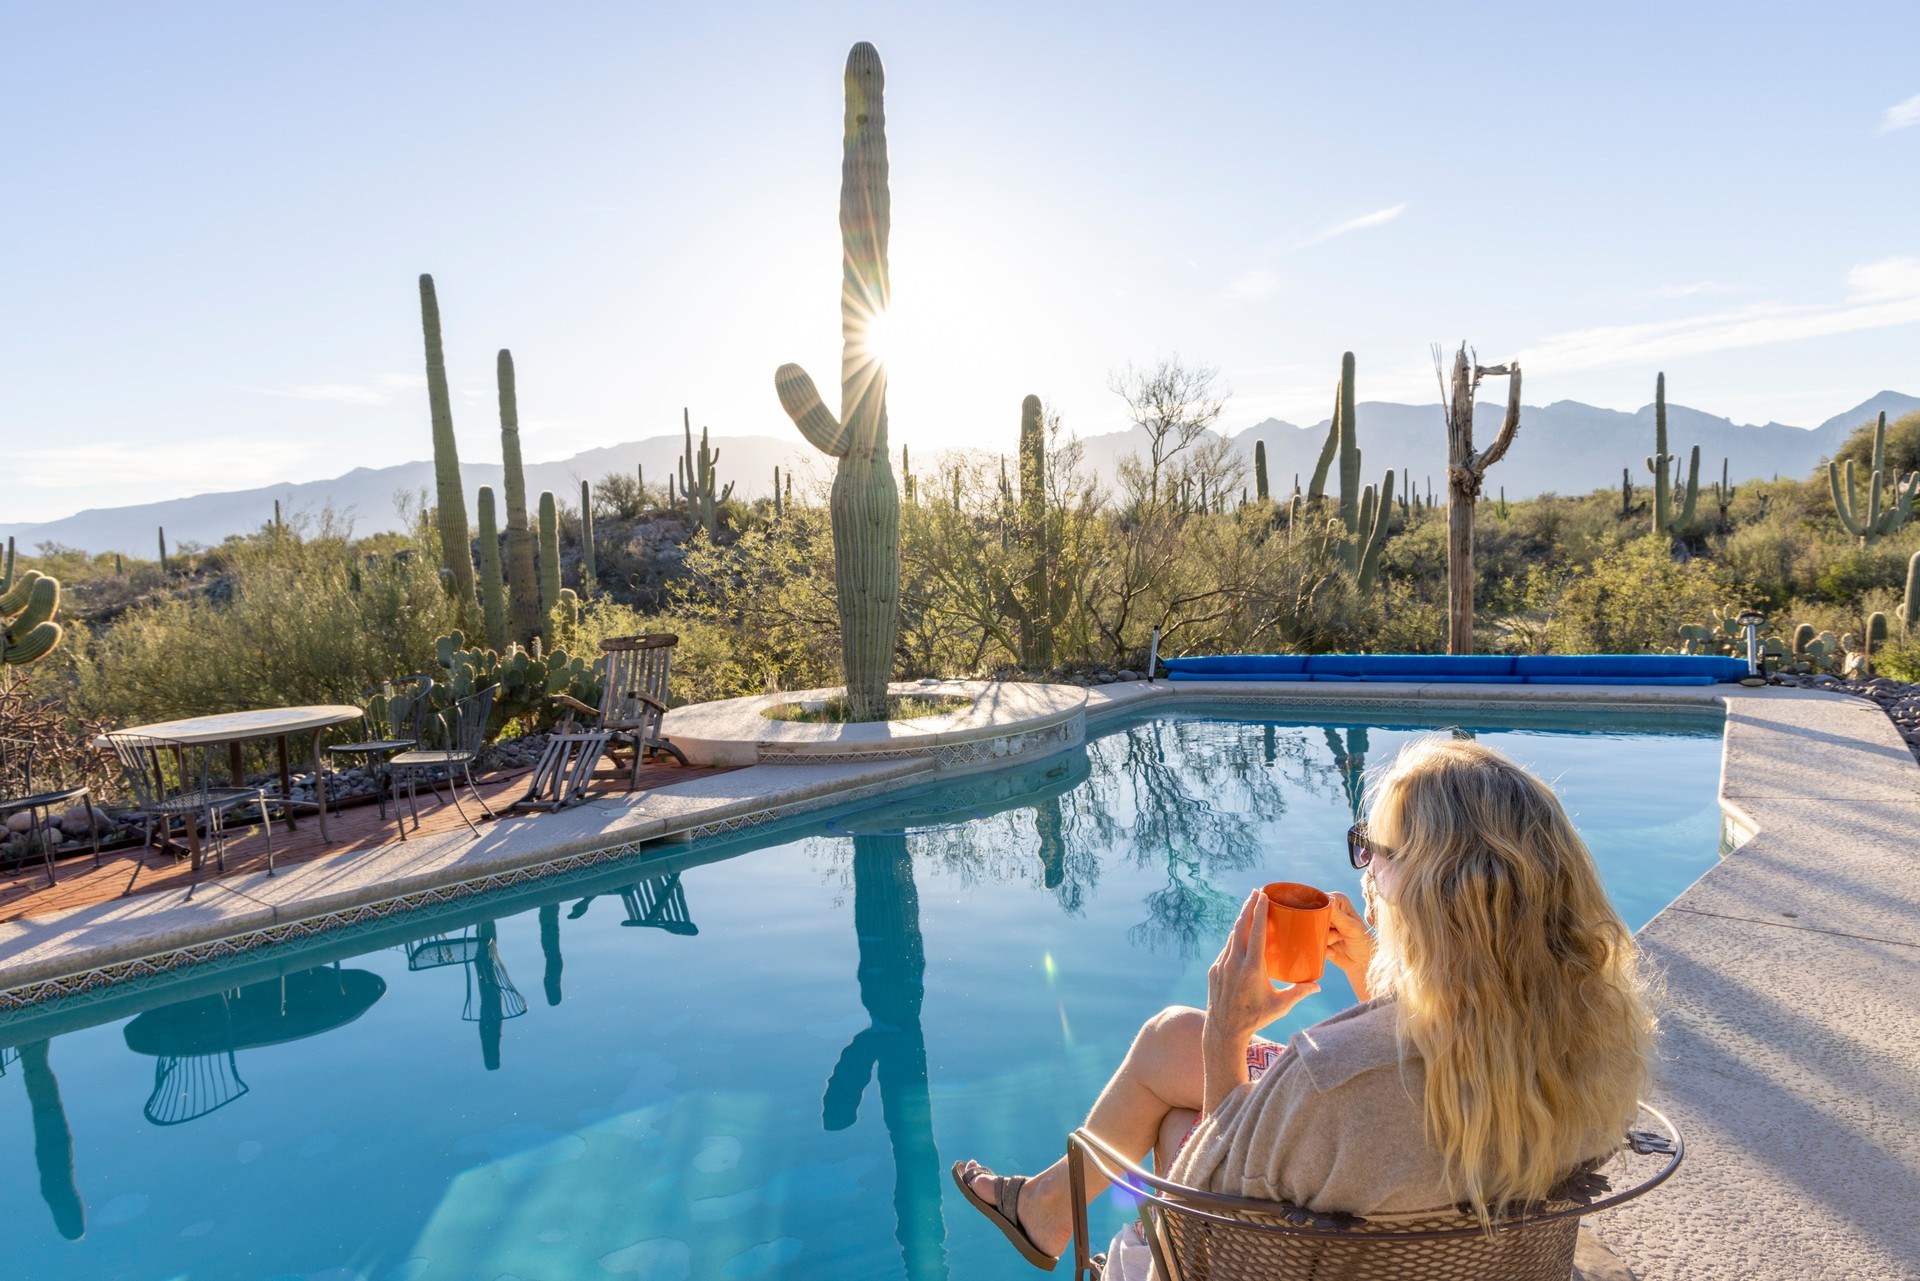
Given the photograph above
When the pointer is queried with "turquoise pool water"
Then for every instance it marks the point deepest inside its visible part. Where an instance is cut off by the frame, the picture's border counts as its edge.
(733, 1060)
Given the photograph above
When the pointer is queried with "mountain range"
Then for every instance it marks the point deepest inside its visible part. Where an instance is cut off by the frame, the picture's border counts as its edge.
(1565, 447)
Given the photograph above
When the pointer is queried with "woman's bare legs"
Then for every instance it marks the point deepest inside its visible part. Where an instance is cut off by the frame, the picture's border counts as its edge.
(1147, 1106)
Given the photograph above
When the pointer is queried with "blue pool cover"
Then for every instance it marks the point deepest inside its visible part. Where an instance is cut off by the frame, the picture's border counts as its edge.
(1491, 669)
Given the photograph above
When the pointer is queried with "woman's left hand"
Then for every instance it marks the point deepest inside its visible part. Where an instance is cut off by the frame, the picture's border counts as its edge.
(1241, 999)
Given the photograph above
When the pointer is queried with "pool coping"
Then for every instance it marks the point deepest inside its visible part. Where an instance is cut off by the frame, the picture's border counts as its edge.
(1801, 1163)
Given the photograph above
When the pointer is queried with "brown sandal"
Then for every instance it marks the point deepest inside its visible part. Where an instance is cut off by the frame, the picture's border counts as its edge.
(1003, 1211)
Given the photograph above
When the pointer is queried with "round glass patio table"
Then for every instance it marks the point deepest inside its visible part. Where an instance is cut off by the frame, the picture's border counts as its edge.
(235, 728)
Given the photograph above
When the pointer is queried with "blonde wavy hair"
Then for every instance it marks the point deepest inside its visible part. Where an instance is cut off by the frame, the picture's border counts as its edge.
(1513, 976)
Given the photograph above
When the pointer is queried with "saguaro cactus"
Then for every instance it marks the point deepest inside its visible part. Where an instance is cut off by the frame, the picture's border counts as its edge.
(524, 610)
(163, 552)
(1260, 470)
(27, 630)
(1037, 625)
(549, 552)
(493, 591)
(865, 507)
(589, 568)
(1661, 464)
(1364, 511)
(699, 480)
(450, 503)
(1910, 603)
(1466, 470)
(779, 506)
(1869, 523)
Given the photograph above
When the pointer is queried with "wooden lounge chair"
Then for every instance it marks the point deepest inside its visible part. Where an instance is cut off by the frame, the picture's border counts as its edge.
(1194, 1235)
(633, 696)
(564, 771)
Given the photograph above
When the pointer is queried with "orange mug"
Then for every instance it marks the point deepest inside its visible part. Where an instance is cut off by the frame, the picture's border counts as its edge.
(1298, 917)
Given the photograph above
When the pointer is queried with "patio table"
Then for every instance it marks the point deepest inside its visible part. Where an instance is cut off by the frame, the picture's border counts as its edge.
(235, 728)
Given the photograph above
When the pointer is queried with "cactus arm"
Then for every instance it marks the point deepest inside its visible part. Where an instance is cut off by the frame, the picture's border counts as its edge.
(493, 592)
(1349, 450)
(1692, 500)
(1376, 536)
(450, 505)
(802, 402)
(15, 598)
(1843, 498)
(1317, 486)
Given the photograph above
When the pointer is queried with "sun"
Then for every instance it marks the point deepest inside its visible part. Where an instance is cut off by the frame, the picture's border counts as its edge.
(878, 337)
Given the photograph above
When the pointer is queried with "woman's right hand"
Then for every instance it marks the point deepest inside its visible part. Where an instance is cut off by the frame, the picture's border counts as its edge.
(1350, 943)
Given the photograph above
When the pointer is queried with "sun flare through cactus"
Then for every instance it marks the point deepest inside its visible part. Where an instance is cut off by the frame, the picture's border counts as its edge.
(865, 506)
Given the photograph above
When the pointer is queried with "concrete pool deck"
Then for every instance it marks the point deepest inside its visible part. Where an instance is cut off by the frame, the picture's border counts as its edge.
(1791, 1056)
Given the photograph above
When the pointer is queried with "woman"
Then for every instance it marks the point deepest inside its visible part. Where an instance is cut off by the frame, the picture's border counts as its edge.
(1501, 1040)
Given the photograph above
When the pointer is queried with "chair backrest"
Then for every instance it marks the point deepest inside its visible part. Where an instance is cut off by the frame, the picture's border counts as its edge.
(634, 690)
(16, 768)
(1194, 1234)
(158, 769)
(396, 709)
(465, 723)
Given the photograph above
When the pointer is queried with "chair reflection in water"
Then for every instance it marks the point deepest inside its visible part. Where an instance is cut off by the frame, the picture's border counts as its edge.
(893, 963)
(657, 903)
(492, 998)
(193, 1043)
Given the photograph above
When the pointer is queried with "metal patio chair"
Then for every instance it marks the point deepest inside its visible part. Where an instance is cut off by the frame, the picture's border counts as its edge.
(462, 732)
(169, 781)
(1204, 1236)
(17, 796)
(395, 715)
(633, 695)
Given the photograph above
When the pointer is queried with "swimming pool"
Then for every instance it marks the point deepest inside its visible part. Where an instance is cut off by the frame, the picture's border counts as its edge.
(735, 1059)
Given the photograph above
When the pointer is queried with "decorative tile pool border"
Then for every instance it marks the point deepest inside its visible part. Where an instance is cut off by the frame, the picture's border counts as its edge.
(948, 756)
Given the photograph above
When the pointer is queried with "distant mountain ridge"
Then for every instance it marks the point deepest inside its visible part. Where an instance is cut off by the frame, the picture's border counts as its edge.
(1566, 447)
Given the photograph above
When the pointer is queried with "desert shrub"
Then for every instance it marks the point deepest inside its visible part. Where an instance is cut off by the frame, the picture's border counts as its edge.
(1633, 598)
(300, 619)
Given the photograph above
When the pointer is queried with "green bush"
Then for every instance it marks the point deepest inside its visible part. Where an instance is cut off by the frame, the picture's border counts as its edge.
(1633, 599)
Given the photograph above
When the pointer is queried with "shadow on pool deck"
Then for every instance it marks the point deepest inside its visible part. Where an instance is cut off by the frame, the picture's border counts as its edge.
(358, 829)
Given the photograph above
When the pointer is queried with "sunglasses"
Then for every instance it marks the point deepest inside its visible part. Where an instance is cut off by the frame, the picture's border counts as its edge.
(1361, 846)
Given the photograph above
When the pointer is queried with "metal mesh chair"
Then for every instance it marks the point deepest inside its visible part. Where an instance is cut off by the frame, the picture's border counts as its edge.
(1204, 1236)
(462, 732)
(633, 695)
(169, 781)
(17, 796)
(395, 714)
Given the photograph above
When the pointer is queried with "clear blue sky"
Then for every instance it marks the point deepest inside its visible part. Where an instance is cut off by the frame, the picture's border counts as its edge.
(214, 216)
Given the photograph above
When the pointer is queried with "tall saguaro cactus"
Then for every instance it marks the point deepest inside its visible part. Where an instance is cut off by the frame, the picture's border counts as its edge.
(450, 503)
(524, 612)
(589, 567)
(865, 507)
(1665, 477)
(1260, 470)
(1038, 623)
(549, 552)
(1366, 510)
(1466, 469)
(1870, 520)
(699, 480)
(493, 592)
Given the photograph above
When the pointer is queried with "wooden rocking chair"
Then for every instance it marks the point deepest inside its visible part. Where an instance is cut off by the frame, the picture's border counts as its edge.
(633, 696)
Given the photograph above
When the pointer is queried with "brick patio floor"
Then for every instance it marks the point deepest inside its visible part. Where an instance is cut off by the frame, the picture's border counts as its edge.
(25, 893)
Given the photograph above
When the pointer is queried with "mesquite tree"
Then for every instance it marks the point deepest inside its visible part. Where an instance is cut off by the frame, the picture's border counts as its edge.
(865, 506)
(1465, 472)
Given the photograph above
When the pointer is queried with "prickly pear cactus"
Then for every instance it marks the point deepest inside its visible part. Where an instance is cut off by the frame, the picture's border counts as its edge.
(865, 506)
(27, 630)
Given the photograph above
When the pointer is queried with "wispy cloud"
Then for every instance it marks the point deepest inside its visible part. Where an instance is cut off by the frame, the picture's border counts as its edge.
(1688, 291)
(1881, 295)
(377, 391)
(1901, 114)
(1378, 217)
